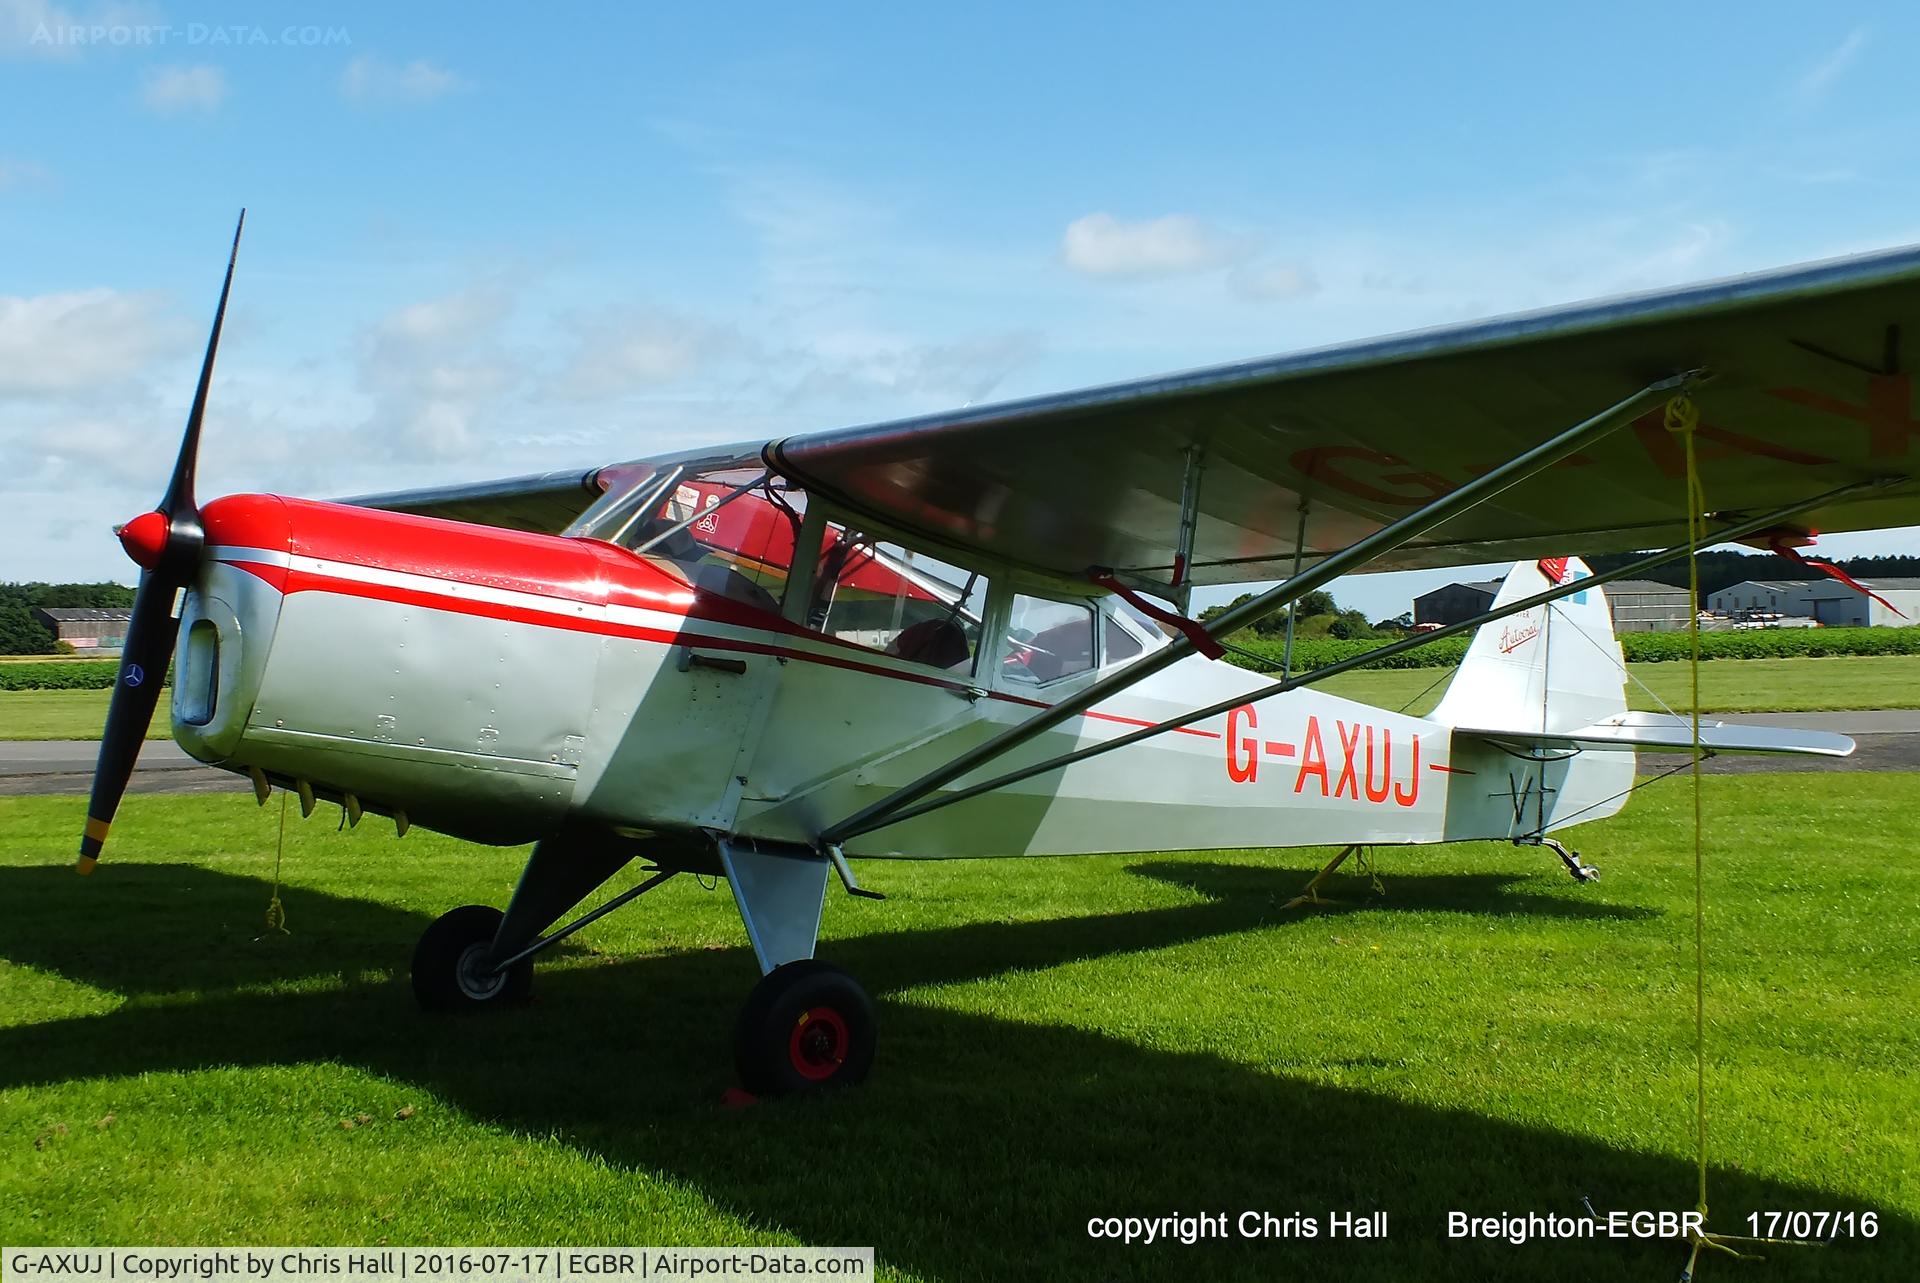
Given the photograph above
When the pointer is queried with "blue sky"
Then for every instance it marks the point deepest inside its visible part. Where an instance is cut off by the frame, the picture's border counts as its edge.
(483, 243)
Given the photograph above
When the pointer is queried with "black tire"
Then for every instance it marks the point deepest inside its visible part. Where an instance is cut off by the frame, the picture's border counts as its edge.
(806, 1027)
(449, 964)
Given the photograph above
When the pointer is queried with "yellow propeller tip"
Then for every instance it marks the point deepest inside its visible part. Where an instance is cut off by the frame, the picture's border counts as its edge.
(85, 865)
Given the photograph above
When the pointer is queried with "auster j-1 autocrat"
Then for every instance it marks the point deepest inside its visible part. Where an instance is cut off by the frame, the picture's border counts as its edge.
(969, 635)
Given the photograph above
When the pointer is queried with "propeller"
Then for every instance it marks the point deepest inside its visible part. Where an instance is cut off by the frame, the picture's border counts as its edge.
(166, 543)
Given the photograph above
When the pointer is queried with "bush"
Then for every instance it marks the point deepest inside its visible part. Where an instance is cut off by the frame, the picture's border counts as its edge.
(68, 675)
(1640, 648)
(1773, 643)
(1317, 652)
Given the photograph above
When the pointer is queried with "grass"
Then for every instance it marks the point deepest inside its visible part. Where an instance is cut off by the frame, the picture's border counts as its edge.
(1126, 1035)
(65, 715)
(1726, 686)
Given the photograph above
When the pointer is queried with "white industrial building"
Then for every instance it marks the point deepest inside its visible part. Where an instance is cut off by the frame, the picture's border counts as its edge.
(1826, 601)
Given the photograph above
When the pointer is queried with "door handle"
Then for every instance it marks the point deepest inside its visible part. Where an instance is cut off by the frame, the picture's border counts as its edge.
(686, 659)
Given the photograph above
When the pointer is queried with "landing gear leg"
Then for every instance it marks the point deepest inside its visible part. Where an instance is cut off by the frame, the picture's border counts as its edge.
(807, 1025)
(1310, 894)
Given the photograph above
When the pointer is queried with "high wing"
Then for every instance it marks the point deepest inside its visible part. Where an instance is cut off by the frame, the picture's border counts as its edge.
(1808, 390)
(547, 502)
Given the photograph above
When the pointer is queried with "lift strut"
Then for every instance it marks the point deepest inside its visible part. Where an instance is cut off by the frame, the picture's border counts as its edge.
(1357, 554)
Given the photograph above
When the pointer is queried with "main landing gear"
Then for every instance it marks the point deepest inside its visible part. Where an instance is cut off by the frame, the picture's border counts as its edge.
(453, 966)
(806, 1026)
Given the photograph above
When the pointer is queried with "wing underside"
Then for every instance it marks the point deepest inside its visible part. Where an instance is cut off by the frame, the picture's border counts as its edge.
(1809, 390)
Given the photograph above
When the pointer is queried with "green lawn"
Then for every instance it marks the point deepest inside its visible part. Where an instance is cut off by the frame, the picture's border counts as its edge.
(1127, 1035)
(1726, 685)
(64, 715)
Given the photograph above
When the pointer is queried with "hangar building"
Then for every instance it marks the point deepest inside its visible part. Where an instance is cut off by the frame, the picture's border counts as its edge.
(90, 631)
(1639, 605)
(1827, 601)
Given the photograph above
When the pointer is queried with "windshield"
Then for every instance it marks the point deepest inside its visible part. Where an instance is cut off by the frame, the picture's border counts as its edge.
(730, 531)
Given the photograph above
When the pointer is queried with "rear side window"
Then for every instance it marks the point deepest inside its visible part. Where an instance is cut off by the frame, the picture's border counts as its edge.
(1047, 640)
(1120, 644)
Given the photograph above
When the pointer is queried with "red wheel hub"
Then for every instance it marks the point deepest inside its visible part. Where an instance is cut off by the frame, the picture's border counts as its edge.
(819, 1042)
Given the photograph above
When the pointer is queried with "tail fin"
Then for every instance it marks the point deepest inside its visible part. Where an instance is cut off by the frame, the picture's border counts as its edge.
(1553, 668)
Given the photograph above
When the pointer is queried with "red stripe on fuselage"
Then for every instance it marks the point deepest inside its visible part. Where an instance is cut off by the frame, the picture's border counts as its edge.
(580, 572)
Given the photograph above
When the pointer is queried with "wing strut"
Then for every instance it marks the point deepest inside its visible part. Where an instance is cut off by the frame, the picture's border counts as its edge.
(1723, 535)
(1352, 557)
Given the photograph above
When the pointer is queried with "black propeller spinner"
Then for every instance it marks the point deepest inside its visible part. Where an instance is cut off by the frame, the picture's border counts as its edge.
(167, 543)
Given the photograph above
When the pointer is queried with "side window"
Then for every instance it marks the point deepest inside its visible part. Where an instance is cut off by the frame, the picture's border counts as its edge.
(1121, 645)
(1047, 640)
(902, 603)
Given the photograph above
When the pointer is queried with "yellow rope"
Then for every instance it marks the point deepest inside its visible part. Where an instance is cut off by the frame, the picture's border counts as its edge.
(277, 912)
(1681, 418)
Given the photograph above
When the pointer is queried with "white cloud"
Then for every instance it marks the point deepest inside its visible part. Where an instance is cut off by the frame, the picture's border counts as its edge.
(901, 376)
(1273, 282)
(369, 79)
(433, 370)
(1102, 245)
(1813, 85)
(21, 173)
(80, 341)
(631, 349)
(171, 90)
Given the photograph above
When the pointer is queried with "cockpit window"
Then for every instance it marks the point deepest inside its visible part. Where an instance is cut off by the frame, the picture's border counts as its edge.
(898, 601)
(1047, 640)
(730, 531)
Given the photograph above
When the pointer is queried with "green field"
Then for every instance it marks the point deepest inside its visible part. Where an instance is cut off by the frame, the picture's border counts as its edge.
(1728, 685)
(1063, 1038)
(63, 715)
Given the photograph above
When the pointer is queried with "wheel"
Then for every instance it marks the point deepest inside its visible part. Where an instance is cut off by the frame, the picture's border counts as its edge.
(450, 963)
(806, 1026)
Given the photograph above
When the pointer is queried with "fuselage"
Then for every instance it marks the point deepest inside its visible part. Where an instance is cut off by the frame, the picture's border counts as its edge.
(495, 684)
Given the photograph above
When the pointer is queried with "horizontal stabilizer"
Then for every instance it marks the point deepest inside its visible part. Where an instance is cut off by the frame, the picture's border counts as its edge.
(1667, 731)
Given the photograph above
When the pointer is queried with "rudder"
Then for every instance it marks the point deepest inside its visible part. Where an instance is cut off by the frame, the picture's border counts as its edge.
(1556, 667)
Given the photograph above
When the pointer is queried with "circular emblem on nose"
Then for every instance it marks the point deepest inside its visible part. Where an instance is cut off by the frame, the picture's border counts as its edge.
(135, 675)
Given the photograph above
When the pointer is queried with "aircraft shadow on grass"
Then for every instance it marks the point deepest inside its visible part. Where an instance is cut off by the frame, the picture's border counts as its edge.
(981, 1146)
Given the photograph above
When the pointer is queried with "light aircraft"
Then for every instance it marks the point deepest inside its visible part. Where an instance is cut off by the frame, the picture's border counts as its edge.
(967, 635)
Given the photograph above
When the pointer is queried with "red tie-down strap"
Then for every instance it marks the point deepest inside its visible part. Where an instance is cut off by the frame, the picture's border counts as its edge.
(1785, 549)
(1784, 539)
(1192, 629)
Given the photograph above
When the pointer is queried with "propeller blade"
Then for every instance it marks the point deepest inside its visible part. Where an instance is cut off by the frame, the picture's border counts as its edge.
(167, 543)
(180, 486)
(143, 669)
